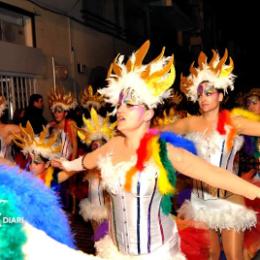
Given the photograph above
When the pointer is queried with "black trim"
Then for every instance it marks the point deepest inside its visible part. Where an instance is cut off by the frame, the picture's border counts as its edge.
(220, 163)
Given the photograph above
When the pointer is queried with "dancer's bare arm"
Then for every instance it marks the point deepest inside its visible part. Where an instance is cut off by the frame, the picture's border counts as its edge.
(197, 168)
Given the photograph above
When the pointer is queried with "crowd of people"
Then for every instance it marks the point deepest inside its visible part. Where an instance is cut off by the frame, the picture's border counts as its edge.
(131, 165)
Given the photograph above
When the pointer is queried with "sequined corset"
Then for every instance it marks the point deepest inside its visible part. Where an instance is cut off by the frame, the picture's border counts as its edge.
(213, 149)
(138, 224)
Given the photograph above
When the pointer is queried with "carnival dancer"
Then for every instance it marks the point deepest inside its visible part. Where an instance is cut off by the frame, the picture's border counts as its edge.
(40, 149)
(216, 134)
(138, 167)
(95, 132)
(60, 103)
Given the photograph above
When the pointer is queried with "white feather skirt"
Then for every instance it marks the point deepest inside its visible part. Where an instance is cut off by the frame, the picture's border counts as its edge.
(92, 211)
(218, 214)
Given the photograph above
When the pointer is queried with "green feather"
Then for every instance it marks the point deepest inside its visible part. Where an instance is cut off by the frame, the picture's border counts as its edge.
(166, 204)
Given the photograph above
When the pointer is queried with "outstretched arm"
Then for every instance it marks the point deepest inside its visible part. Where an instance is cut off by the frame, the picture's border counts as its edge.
(245, 126)
(197, 168)
(63, 176)
(86, 162)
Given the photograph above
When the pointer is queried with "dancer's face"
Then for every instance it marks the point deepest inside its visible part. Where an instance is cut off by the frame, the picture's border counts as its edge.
(59, 114)
(37, 166)
(253, 104)
(208, 97)
(130, 114)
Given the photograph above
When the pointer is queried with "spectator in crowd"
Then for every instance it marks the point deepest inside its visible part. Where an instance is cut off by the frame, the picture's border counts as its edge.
(34, 113)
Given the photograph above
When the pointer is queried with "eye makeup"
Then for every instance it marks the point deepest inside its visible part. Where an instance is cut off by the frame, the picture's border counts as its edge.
(252, 100)
(127, 97)
(208, 90)
(58, 110)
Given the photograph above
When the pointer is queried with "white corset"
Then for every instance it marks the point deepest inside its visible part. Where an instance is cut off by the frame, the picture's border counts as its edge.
(213, 148)
(138, 224)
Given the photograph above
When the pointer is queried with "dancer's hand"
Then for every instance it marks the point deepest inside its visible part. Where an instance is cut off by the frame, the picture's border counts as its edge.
(57, 163)
(69, 166)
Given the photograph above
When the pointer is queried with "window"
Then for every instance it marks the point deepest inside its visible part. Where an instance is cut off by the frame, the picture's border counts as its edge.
(17, 90)
(16, 26)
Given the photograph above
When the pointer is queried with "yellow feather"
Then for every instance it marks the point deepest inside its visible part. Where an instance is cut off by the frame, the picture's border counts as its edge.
(90, 90)
(48, 176)
(158, 87)
(245, 113)
(164, 185)
(225, 72)
(88, 124)
(160, 73)
(29, 129)
(94, 117)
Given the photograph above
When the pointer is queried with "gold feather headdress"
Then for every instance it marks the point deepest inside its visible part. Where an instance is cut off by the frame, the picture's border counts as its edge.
(2, 105)
(89, 99)
(149, 83)
(96, 128)
(216, 72)
(44, 145)
(165, 119)
(58, 98)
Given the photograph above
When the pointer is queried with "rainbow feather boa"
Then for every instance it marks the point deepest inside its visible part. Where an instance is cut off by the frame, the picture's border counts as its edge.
(153, 145)
(225, 122)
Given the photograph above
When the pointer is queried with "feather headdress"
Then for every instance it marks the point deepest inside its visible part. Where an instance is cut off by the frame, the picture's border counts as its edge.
(89, 99)
(216, 72)
(148, 83)
(46, 146)
(165, 119)
(96, 128)
(58, 98)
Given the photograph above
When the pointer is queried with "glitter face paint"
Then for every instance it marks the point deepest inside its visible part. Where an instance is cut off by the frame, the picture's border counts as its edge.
(252, 100)
(128, 98)
(206, 90)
